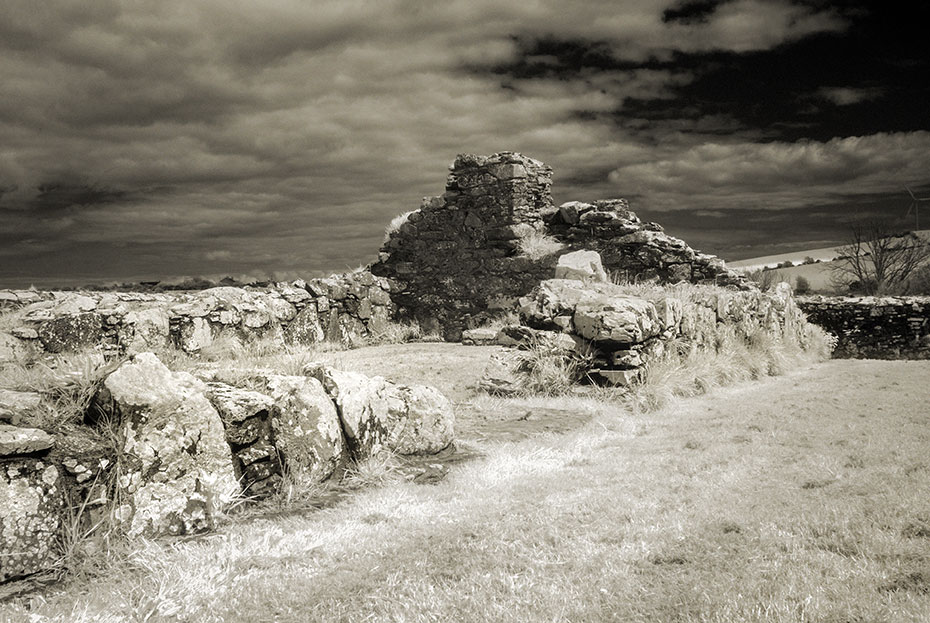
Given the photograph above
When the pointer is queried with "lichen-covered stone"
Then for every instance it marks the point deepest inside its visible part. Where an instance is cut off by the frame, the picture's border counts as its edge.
(145, 329)
(364, 408)
(377, 415)
(16, 440)
(598, 311)
(305, 426)
(428, 420)
(71, 332)
(305, 328)
(14, 405)
(178, 471)
(13, 349)
(501, 375)
(195, 334)
(30, 510)
(617, 320)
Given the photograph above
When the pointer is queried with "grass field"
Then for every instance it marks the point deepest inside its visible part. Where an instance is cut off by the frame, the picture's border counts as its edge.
(796, 498)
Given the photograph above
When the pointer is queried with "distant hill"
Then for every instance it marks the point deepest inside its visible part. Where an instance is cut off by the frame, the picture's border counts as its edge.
(819, 275)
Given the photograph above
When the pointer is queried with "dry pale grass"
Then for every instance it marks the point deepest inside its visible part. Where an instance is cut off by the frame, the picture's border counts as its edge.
(796, 498)
(66, 382)
(538, 245)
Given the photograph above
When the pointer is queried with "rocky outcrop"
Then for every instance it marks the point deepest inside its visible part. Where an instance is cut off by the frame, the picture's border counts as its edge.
(177, 472)
(873, 327)
(342, 308)
(495, 234)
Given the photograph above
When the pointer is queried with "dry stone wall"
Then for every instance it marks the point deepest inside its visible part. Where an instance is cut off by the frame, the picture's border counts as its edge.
(184, 445)
(342, 308)
(495, 233)
(874, 327)
(619, 333)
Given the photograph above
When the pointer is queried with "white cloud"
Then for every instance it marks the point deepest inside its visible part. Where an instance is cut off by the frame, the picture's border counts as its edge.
(844, 96)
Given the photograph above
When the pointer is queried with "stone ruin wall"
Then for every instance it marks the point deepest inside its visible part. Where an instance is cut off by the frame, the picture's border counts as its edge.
(341, 308)
(184, 445)
(616, 333)
(457, 259)
(873, 327)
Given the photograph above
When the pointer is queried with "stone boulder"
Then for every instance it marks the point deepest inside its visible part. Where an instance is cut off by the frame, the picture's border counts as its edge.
(616, 320)
(501, 375)
(377, 415)
(31, 504)
(178, 472)
(305, 426)
(581, 265)
(480, 336)
(305, 328)
(13, 349)
(428, 420)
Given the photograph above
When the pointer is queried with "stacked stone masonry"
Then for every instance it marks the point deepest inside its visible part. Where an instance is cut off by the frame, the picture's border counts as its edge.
(495, 233)
(342, 308)
(620, 334)
(183, 446)
(873, 327)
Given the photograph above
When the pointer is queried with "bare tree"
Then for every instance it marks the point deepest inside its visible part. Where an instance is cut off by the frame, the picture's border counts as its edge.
(880, 259)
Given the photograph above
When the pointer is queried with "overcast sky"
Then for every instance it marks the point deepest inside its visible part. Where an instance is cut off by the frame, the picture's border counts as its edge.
(153, 138)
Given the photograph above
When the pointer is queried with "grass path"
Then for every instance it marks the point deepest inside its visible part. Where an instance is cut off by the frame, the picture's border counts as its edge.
(798, 498)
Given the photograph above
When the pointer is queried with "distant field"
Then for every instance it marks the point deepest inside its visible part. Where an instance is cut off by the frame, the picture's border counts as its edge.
(796, 498)
(819, 275)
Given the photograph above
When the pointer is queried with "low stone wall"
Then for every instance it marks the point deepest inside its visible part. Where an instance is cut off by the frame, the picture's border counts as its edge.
(495, 233)
(181, 446)
(341, 308)
(620, 333)
(873, 327)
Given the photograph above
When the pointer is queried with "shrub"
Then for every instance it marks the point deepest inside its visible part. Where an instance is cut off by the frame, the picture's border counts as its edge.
(802, 285)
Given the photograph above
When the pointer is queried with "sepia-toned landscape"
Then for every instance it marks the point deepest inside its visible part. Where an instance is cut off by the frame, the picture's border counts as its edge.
(653, 347)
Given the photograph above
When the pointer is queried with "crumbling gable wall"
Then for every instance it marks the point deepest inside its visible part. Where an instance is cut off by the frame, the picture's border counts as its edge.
(458, 255)
(463, 255)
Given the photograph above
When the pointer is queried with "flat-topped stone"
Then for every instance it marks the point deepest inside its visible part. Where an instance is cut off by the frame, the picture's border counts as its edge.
(16, 441)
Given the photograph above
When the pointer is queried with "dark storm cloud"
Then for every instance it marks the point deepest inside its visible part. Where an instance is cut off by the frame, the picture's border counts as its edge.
(170, 137)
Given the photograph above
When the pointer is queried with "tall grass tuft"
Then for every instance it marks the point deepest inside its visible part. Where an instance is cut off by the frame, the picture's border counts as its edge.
(546, 367)
(66, 382)
(538, 245)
